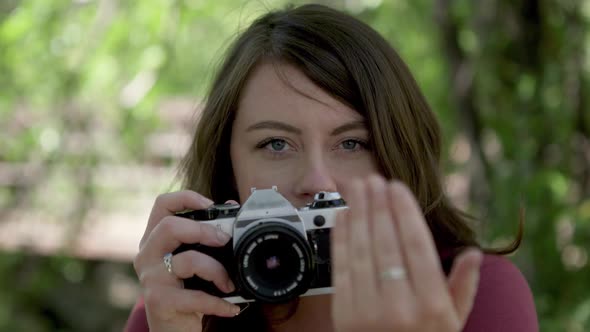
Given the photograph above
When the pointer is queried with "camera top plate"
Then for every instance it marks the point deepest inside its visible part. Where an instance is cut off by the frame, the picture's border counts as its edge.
(227, 210)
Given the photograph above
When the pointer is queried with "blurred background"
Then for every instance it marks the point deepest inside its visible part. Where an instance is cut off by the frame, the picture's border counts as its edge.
(98, 99)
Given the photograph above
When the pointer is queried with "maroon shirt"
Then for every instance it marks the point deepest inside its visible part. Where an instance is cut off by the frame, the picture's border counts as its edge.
(503, 303)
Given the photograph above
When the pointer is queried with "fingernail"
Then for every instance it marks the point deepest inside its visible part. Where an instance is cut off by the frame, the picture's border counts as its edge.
(230, 287)
(207, 201)
(476, 258)
(235, 310)
(222, 236)
(479, 258)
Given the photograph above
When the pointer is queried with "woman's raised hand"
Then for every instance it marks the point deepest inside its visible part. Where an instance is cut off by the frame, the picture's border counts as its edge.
(386, 272)
(168, 306)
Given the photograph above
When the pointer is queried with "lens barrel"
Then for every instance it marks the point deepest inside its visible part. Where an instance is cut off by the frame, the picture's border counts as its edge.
(274, 263)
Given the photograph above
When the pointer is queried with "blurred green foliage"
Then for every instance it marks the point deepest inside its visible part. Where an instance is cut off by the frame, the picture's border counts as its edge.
(509, 80)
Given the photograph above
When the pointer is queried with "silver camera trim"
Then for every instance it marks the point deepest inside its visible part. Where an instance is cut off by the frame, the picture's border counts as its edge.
(313, 291)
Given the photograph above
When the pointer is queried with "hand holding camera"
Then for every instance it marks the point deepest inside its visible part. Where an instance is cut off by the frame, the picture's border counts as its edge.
(266, 250)
(168, 306)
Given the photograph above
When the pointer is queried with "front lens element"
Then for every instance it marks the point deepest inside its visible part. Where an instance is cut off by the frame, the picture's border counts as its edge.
(274, 263)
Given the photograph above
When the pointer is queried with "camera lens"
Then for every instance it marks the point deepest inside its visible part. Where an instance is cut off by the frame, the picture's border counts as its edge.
(274, 263)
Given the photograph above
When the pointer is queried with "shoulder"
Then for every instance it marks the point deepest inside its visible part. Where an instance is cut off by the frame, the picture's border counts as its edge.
(137, 321)
(504, 301)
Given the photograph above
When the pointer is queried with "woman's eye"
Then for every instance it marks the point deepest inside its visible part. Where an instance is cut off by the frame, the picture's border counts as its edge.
(349, 144)
(277, 144)
(353, 145)
(274, 145)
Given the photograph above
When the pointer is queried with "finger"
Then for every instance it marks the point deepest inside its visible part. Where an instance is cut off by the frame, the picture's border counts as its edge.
(186, 265)
(189, 263)
(360, 253)
(464, 280)
(170, 203)
(157, 274)
(419, 252)
(172, 231)
(169, 300)
(342, 298)
(386, 246)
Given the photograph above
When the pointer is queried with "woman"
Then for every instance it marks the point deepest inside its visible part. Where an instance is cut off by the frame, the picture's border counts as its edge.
(310, 99)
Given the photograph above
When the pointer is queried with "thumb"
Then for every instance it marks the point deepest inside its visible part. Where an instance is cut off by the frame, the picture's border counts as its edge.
(463, 281)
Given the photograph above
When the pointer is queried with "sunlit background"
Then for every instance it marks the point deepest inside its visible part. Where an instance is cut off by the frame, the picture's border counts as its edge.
(98, 100)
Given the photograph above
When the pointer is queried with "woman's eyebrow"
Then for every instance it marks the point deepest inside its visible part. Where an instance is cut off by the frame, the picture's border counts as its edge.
(274, 125)
(359, 124)
(277, 125)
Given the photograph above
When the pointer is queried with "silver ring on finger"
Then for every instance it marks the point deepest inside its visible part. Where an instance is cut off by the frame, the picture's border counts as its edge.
(168, 262)
(394, 273)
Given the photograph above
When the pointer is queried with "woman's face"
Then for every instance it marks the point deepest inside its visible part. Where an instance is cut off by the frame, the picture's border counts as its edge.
(302, 145)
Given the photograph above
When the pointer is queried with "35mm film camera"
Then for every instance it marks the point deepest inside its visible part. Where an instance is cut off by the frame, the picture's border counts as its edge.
(277, 251)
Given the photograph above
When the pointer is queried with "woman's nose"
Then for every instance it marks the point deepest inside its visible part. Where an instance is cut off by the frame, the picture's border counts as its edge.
(314, 177)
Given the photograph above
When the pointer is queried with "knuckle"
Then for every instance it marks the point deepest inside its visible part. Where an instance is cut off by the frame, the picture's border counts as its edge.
(209, 305)
(404, 323)
(160, 199)
(191, 263)
(151, 297)
(436, 310)
(185, 264)
(167, 224)
(144, 279)
(401, 317)
(201, 231)
(360, 251)
(195, 260)
(360, 262)
(138, 263)
(143, 240)
(202, 263)
(153, 300)
(208, 231)
(386, 318)
(415, 242)
(224, 306)
(193, 196)
(373, 319)
(186, 193)
(201, 227)
(398, 186)
(345, 323)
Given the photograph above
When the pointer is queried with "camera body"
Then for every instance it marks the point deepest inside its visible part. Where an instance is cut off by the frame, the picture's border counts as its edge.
(277, 251)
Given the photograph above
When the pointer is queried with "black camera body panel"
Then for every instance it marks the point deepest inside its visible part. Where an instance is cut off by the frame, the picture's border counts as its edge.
(213, 212)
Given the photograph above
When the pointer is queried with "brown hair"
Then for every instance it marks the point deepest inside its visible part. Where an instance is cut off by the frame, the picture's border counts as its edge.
(353, 63)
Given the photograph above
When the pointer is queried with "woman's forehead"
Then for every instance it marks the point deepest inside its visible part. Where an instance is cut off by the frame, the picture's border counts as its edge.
(286, 94)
